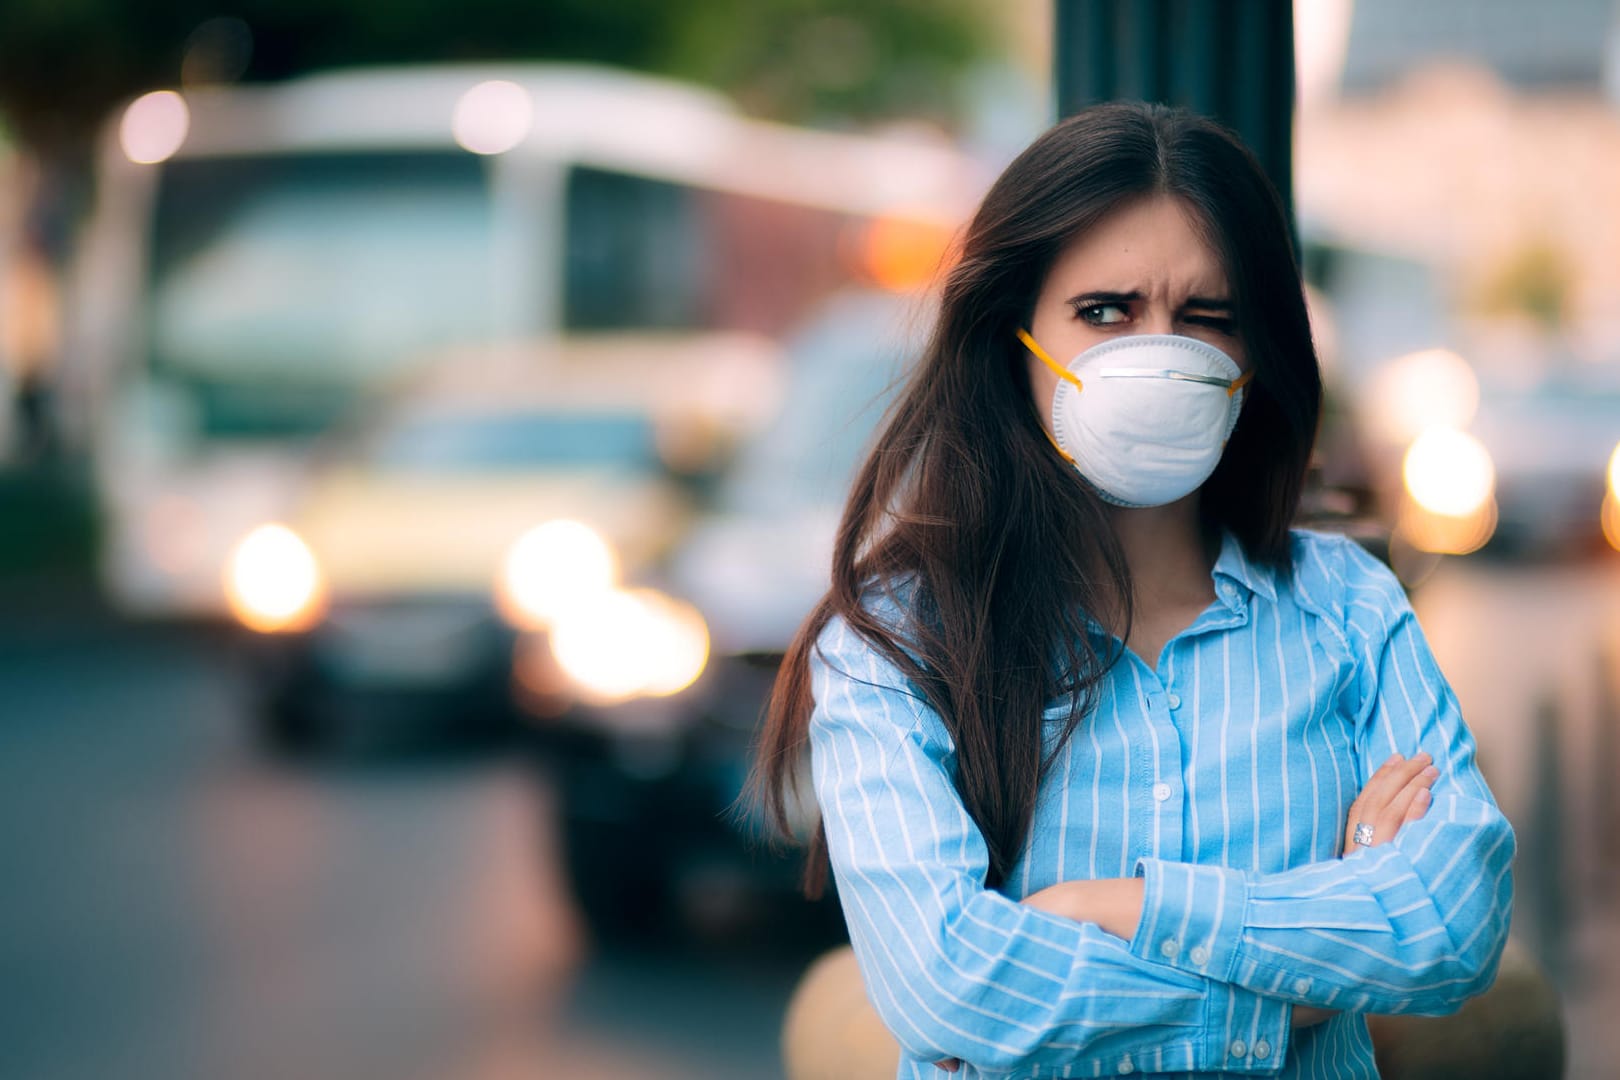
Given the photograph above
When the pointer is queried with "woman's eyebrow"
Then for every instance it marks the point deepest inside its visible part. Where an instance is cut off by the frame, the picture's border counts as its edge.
(1104, 297)
(1203, 303)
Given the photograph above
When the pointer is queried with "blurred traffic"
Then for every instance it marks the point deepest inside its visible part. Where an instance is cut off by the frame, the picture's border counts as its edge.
(463, 444)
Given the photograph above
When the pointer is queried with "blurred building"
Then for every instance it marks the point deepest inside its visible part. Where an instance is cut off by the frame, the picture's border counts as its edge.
(1549, 43)
(1496, 155)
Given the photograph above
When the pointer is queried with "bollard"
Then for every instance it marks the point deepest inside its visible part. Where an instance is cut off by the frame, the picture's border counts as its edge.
(1540, 874)
(831, 1031)
(1513, 1031)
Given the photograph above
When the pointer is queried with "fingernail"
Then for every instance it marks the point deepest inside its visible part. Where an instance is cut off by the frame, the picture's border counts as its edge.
(1424, 755)
(1431, 772)
(1423, 795)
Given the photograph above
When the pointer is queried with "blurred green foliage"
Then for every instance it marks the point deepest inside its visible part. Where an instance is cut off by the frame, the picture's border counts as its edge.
(64, 63)
(1538, 279)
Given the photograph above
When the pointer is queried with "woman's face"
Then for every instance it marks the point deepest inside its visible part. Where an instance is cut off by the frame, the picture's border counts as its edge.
(1142, 270)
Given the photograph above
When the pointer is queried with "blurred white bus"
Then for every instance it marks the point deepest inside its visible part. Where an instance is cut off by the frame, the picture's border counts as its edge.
(261, 260)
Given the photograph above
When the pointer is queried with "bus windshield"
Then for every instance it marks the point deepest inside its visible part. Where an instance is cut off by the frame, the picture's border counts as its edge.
(475, 440)
(282, 287)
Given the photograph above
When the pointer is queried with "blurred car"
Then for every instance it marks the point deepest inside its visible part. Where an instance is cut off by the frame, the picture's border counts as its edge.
(649, 795)
(1553, 447)
(434, 554)
(1523, 468)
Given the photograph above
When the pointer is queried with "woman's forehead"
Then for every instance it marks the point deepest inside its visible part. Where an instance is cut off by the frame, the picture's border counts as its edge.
(1153, 246)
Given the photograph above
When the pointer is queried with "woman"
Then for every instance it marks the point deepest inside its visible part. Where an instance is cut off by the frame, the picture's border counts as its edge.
(1090, 727)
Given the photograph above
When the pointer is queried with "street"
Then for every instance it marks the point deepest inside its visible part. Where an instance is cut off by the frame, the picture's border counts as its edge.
(177, 905)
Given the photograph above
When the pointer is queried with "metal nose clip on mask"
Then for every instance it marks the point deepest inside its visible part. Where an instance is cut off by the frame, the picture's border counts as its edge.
(1144, 418)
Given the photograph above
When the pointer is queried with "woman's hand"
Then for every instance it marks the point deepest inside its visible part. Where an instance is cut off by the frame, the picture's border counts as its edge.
(1397, 793)
(1114, 904)
(1305, 1016)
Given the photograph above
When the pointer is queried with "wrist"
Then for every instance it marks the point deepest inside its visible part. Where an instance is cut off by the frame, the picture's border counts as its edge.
(1124, 910)
(1113, 904)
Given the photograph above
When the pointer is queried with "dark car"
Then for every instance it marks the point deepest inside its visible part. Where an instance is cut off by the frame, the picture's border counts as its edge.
(651, 791)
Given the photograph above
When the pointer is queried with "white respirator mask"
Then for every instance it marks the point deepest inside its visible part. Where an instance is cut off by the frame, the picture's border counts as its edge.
(1144, 418)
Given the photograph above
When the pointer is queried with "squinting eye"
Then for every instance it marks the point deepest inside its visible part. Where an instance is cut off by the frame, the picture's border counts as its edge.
(1214, 322)
(1102, 314)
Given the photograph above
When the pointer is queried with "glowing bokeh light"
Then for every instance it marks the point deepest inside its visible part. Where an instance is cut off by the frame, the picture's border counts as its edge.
(1434, 388)
(272, 581)
(1449, 472)
(632, 642)
(154, 127)
(901, 253)
(492, 117)
(552, 569)
(1444, 534)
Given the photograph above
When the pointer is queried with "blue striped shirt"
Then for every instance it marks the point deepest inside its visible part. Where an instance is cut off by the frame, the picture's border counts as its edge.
(1223, 777)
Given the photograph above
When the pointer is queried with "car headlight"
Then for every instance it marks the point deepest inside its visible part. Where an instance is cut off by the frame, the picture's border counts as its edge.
(272, 581)
(1449, 472)
(631, 642)
(1611, 502)
(551, 570)
(1423, 390)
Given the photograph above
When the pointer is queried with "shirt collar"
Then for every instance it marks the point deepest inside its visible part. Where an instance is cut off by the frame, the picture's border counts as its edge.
(1234, 566)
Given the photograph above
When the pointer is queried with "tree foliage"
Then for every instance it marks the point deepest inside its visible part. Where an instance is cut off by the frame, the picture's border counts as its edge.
(64, 63)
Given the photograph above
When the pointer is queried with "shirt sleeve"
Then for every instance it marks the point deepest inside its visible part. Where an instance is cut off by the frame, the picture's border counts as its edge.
(958, 970)
(1414, 925)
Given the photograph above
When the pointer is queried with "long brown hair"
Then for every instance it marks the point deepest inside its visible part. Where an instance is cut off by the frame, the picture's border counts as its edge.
(998, 547)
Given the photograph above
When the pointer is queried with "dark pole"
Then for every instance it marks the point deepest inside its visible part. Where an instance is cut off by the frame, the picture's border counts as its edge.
(1232, 60)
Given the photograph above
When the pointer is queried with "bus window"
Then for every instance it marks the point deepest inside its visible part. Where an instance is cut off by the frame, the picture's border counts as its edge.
(635, 256)
(283, 288)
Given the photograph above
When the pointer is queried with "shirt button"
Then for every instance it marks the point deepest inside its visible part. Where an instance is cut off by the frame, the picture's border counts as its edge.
(1174, 700)
(1161, 792)
(1262, 1049)
(1169, 947)
(1239, 1048)
(1127, 1066)
(1302, 986)
(1200, 955)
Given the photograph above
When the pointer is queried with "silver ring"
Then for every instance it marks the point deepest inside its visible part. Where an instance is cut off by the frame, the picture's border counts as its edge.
(1363, 834)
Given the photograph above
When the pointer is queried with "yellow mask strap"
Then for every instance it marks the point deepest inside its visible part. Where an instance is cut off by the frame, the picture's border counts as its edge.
(1062, 373)
(1064, 454)
(1041, 354)
(1239, 383)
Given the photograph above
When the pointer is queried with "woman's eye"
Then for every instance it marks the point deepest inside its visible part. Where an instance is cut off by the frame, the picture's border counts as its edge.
(1218, 323)
(1102, 314)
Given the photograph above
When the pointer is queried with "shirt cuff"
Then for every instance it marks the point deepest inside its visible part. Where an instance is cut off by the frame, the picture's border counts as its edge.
(1245, 1032)
(1192, 917)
